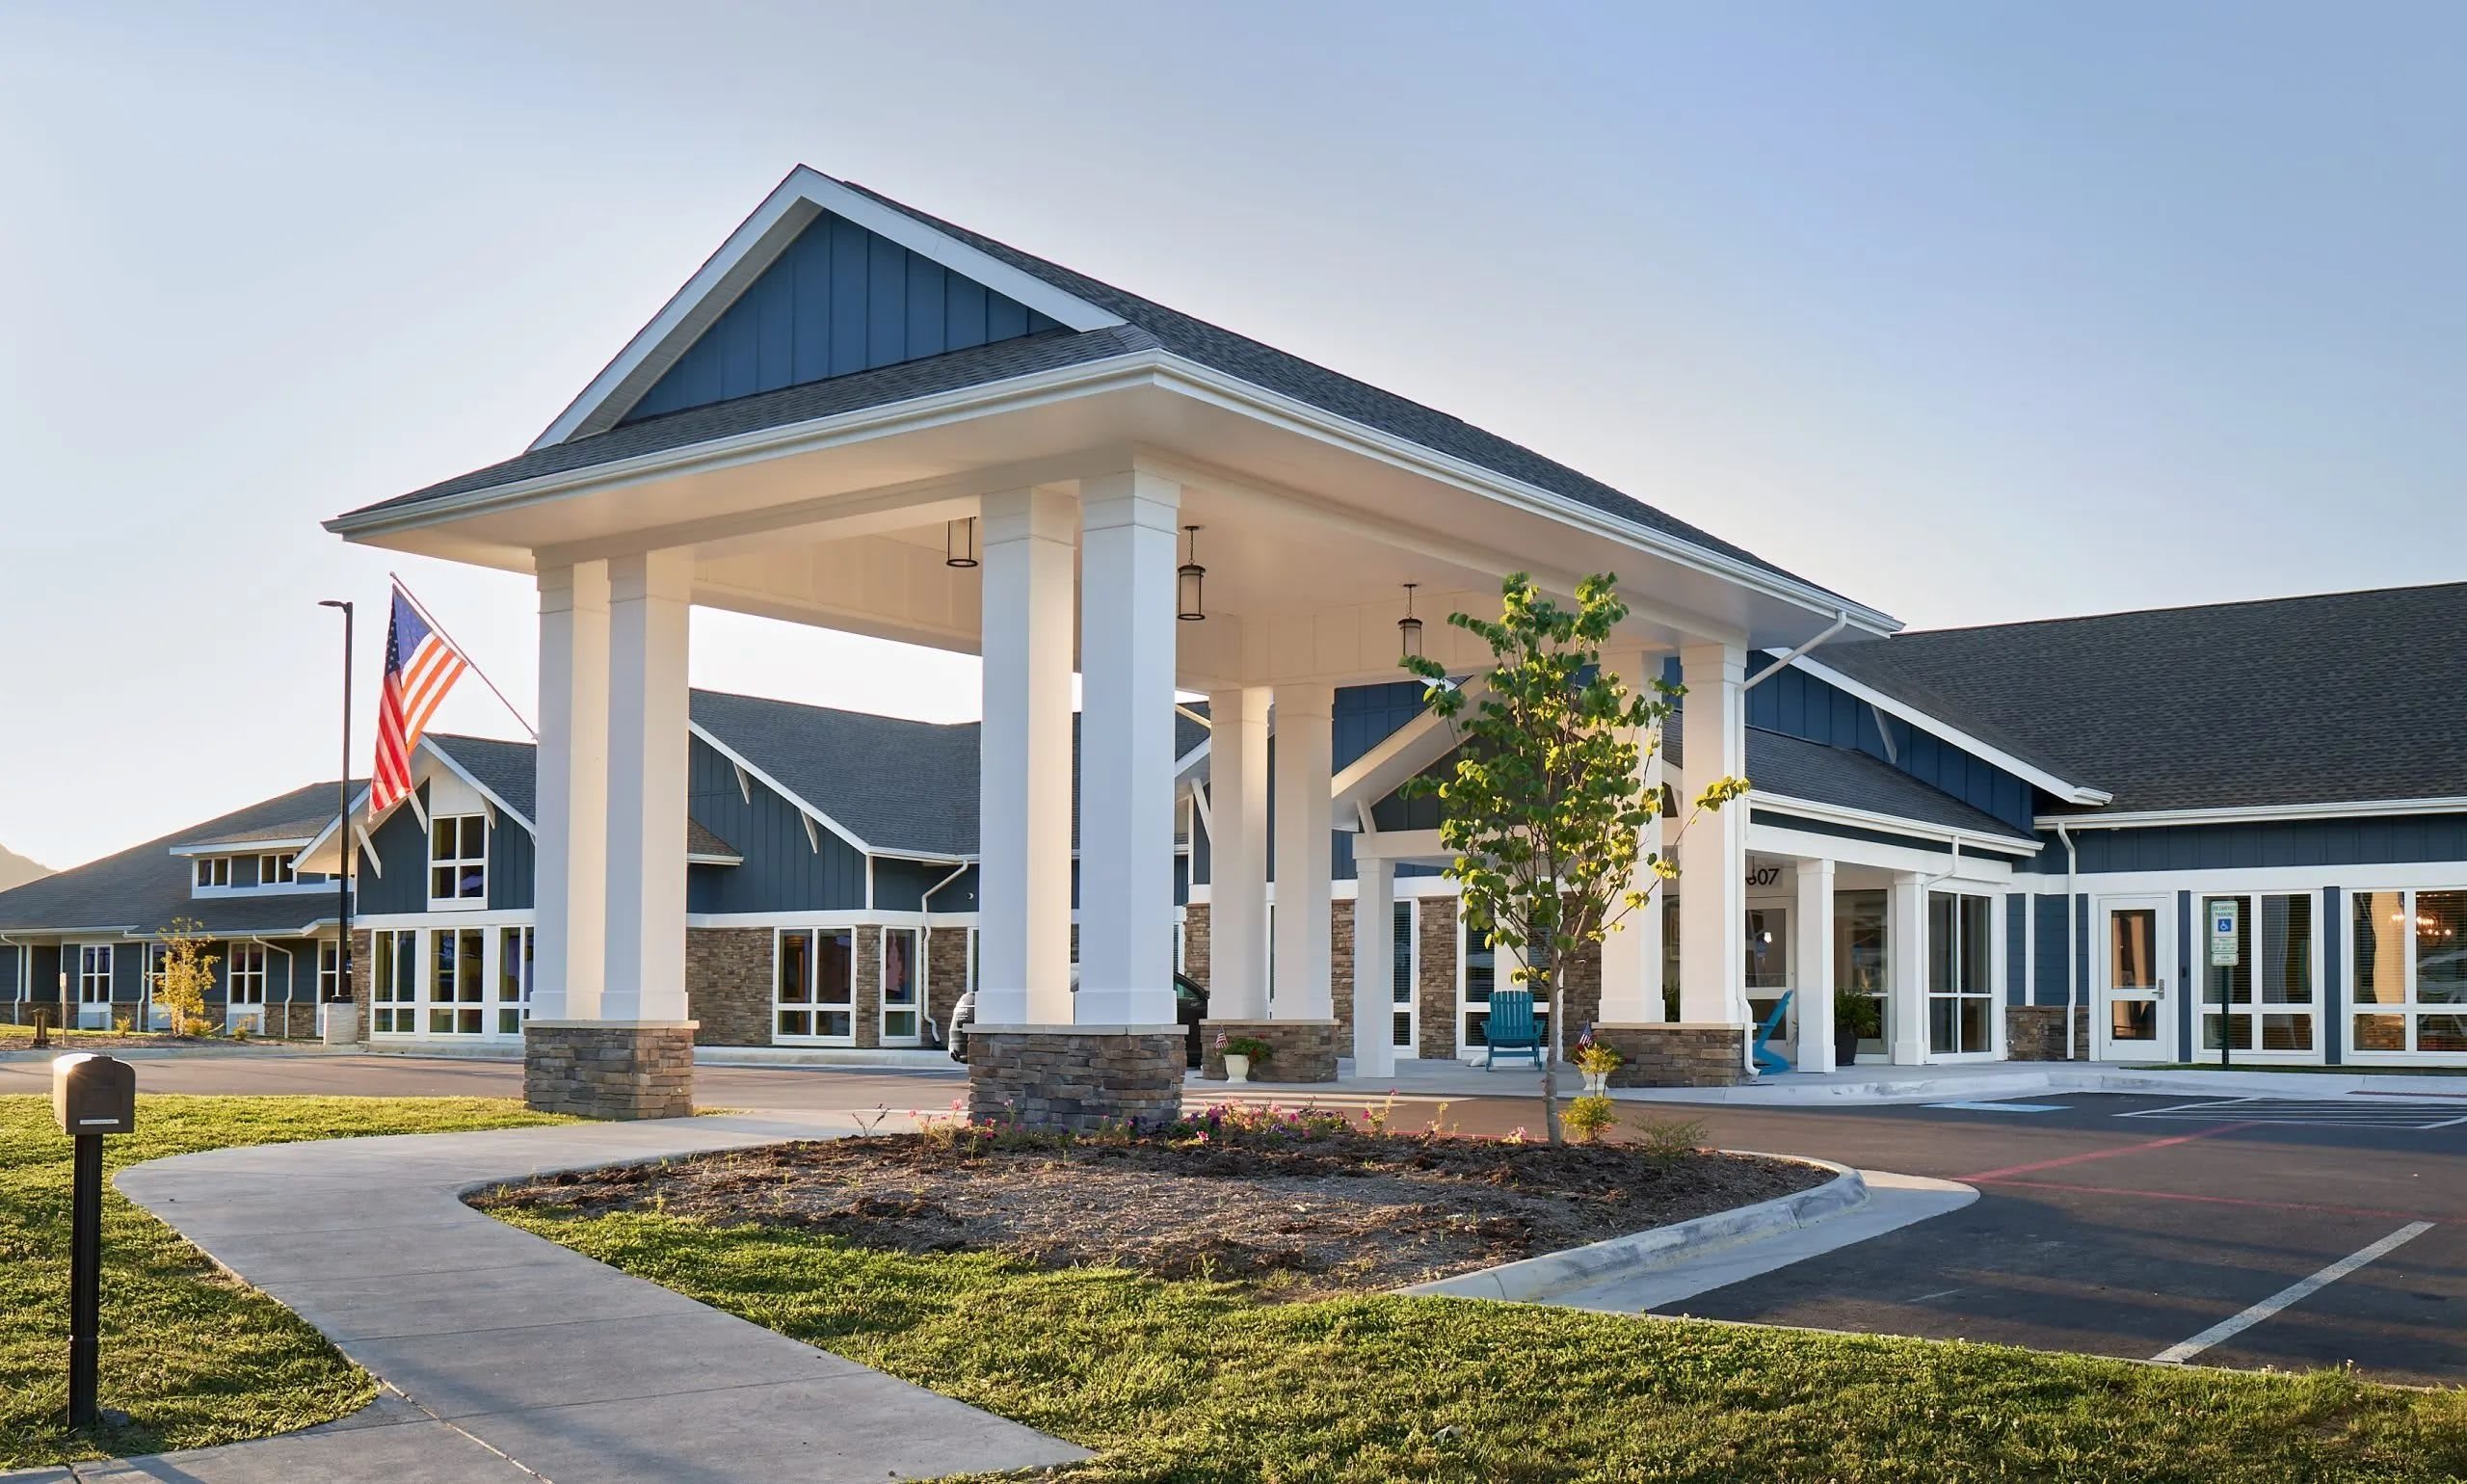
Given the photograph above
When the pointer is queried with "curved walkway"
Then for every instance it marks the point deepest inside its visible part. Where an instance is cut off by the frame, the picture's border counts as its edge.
(505, 1356)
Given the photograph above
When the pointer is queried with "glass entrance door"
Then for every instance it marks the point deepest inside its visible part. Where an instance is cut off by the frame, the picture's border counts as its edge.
(2126, 1024)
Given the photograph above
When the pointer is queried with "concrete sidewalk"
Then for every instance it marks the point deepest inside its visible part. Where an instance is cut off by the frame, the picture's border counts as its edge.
(506, 1357)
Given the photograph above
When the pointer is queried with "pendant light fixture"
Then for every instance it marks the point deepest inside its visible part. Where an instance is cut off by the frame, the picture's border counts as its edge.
(1409, 629)
(959, 542)
(1188, 579)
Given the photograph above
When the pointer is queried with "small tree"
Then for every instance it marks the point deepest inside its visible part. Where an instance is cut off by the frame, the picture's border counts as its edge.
(184, 973)
(1547, 801)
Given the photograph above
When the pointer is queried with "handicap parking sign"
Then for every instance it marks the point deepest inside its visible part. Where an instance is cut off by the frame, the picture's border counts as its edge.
(2225, 952)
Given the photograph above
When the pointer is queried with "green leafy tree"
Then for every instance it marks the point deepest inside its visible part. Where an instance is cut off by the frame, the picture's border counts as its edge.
(1545, 804)
(184, 973)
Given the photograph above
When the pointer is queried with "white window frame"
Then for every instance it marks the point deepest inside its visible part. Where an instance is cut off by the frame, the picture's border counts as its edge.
(1990, 994)
(458, 1011)
(1405, 994)
(276, 869)
(330, 969)
(2196, 957)
(210, 873)
(458, 900)
(244, 975)
(88, 977)
(813, 1007)
(391, 1012)
(2411, 1009)
(884, 1009)
(509, 1013)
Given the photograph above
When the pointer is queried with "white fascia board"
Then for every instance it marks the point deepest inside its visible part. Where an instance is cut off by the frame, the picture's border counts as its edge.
(811, 813)
(317, 842)
(247, 847)
(1400, 754)
(1937, 727)
(757, 241)
(1891, 824)
(482, 790)
(2279, 813)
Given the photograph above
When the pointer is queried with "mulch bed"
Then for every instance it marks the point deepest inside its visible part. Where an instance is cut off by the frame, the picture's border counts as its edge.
(1298, 1214)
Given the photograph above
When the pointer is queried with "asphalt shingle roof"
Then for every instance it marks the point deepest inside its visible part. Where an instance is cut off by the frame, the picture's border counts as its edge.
(895, 785)
(141, 888)
(1800, 769)
(2342, 698)
(1149, 325)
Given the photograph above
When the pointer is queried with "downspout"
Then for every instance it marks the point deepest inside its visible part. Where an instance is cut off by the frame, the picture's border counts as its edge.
(2072, 933)
(925, 949)
(1841, 622)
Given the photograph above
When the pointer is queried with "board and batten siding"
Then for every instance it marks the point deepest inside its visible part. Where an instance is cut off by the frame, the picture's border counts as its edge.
(839, 299)
(2392, 839)
(1798, 704)
(783, 869)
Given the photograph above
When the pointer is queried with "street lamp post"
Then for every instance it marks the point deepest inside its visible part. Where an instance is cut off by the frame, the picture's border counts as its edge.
(343, 995)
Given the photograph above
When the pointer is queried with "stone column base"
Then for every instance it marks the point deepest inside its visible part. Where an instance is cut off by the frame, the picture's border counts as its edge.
(2036, 1033)
(609, 1068)
(1303, 1051)
(1075, 1078)
(1676, 1055)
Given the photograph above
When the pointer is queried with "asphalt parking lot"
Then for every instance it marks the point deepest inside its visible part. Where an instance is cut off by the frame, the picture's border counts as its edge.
(2215, 1230)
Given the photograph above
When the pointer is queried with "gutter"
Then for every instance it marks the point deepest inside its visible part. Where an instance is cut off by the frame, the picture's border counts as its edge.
(1841, 622)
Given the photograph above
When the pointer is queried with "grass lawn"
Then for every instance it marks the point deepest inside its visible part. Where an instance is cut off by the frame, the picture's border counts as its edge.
(193, 1356)
(1195, 1381)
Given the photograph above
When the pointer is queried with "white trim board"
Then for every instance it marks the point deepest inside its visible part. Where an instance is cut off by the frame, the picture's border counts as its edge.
(757, 243)
(2279, 813)
(2077, 793)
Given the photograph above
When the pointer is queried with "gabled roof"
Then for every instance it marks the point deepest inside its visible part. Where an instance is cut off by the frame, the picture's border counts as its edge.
(894, 784)
(141, 888)
(2332, 699)
(1783, 768)
(1102, 321)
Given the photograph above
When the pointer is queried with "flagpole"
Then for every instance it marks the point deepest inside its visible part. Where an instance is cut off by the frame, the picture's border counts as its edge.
(422, 609)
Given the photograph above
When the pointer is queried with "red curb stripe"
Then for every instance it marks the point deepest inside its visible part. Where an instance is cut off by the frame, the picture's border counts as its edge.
(2268, 1206)
(2101, 1153)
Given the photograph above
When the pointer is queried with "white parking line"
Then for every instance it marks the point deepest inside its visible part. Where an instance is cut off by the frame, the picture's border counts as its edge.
(2228, 1328)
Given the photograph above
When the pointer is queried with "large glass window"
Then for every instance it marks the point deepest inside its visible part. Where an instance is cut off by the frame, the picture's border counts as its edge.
(815, 994)
(330, 970)
(514, 979)
(1403, 976)
(245, 982)
(1960, 992)
(2265, 997)
(458, 857)
(457, 993)
(1859, 958)
(899, 986)
(1477, 973)
(394, 982)
(95, 974)
(2407, 971)
(214, 870)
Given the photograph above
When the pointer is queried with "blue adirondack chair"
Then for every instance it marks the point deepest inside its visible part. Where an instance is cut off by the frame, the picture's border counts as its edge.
(1766, 1058)
(1510, 1028)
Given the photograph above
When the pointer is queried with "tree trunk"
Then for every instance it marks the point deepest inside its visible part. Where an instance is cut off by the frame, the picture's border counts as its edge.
(1549, 998)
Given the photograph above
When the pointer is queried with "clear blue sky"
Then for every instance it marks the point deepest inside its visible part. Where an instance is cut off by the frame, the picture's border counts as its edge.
(1978, 312)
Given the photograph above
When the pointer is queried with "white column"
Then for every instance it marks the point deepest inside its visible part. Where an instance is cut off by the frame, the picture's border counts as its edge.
(1632, 955)
(1024, 778)
(1237, 861)
(1906, 968)
(1127, 741)
(1713, 901)
(1813, 958)
(650, 597)
(1374, 967)
(1998, 909)
(1304, 744)
(570, 882)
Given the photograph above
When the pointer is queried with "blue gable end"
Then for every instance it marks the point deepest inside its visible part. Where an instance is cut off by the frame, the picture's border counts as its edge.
(783, 869)
(838, 299)
(1798, 704)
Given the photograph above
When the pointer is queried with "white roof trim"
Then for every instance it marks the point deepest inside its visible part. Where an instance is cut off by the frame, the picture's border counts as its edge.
(758, 242)
(484, 790)
(811, 813)
(268, 847)
(2267, 813)
(1935, 725)
(1892, 824)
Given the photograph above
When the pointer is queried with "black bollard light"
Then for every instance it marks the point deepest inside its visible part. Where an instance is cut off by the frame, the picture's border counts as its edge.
(92, 1096)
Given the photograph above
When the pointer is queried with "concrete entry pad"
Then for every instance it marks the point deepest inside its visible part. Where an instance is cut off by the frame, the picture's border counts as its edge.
(509, 1357)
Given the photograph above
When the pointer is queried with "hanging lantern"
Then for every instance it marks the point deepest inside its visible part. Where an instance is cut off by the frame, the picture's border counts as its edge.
(959, 542)
(1188, 579)
(1409, 629)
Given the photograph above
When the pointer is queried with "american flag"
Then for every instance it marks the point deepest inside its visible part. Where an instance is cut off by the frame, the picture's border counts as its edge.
(420, 668)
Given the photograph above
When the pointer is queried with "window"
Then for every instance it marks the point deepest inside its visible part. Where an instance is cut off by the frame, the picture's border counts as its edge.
(95, 974)
(1860, 958)
(330, 971)
(815, 994)
(514, 980)
(276, 871)
(456, 996)
(457, 859)
(1477, 970)
(213, 870)
(899, 987)
(394, 983)
(1959, 977)
(2274, 940)
(2407, 967)
(1403, 977)
(245, 979)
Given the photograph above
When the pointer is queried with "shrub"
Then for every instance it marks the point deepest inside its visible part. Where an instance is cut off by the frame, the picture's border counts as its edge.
(1595, 1059)
(1666, 1141)
(1252, 1047)
(1588, 1117)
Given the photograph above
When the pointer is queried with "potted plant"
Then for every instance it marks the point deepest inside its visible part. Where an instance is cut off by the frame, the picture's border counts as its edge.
(1239, 1052)
(1597, 1062)
(1856, 1016)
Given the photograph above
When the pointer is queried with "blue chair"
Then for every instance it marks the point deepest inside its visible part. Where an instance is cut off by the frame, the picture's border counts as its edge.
(1766, 1058)
(1511, 1028)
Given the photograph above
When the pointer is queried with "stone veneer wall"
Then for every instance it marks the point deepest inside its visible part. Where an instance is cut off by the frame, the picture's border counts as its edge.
(363, 959)
(945, 974)
(1074, 1079)
(1676, 1055)
(2036, 1033)
(869, 986)
(727, 985)
(1340, 930)
(1195, 943)
(1437, 971)
(613, 1072)
(1303, 1051)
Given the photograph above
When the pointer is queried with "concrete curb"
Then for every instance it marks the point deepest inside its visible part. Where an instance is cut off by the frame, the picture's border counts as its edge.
(1536, 1279)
